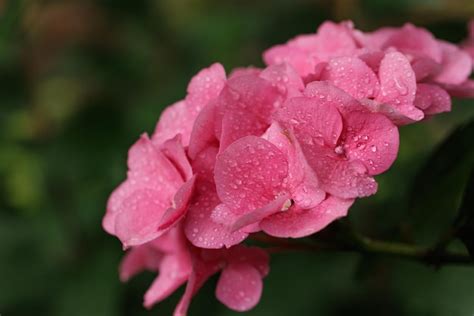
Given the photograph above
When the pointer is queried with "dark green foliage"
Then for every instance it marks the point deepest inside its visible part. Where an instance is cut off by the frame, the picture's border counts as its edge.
(81, 80)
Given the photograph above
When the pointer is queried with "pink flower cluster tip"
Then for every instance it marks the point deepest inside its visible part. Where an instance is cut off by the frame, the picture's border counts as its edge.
(283, 150)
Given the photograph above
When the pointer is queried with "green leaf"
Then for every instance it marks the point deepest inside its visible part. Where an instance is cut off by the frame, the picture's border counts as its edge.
(465, 220)
(438, 187)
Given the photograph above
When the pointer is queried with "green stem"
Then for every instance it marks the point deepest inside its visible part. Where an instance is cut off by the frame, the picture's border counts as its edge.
(364, 245)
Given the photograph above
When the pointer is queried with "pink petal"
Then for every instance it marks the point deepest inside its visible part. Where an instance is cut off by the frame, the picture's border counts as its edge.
(456, 65)
(181, 202)
(174, 151)
(249, 174)
(203, 135)
(301, 181)
(371, 138)
(338, 176)
(138, 259)
(398, 85)
(202, 270)
(244, 71)
(257, 215)
(285, 79)
(124, 190)
(175, 119)
(372, 59)
(205, 86)
(246, 105)
(148, 168)
(393, 114)
(335, 40)
(374, 40)
(173, 272)
(353, 76)
(144, 159)
(300, 60)
(172, 241)
(424, 67)
(297, 223)
(432, 99)
(327, 93)
(239, 287)
(199, 226)
(464, 90)
(416, 41)
(138, 217)
(311, 119)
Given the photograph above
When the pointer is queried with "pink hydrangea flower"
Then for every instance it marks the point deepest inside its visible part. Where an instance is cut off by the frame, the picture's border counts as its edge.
(177, 262)
(284, 150)
(159, 181)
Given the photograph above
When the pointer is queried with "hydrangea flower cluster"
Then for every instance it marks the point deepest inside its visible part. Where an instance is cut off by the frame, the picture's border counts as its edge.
(283, 150)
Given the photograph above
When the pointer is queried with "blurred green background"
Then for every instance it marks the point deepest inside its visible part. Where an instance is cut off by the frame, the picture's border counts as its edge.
(80, 80)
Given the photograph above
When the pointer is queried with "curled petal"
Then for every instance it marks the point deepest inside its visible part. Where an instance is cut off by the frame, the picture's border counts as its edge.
(257, 215)
(302, 182)
(297, 223)
(180, 205)
(174, 151)
(203, 134)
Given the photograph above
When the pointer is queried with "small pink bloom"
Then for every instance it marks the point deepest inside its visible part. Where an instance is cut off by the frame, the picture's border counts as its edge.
(135, 209)
(343, 143)
(177, 262)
